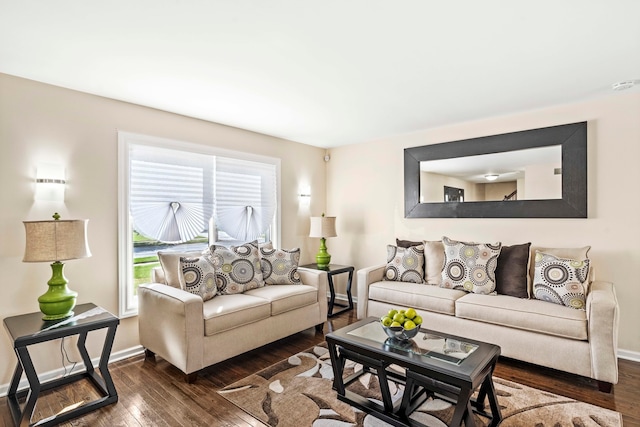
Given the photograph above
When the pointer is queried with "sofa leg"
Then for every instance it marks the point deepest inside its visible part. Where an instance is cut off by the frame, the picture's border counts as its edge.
(191, 378)
(319, 327)
(604, 386)
(148, 354)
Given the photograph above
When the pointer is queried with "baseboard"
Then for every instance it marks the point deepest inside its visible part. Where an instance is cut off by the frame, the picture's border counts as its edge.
(58, 373)
(634, 356)
(343, 297)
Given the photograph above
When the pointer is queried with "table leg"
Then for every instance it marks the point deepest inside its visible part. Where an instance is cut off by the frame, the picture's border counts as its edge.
(332, 298)
(104, 361)
(462, 407)
(350, 280)
(338, 367)
(34, 386)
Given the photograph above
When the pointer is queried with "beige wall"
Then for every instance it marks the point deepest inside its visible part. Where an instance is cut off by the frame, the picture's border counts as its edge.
(46, 124)
(365, 192)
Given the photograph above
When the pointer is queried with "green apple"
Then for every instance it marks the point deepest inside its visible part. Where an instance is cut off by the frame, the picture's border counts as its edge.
(408, 325)
(392, 313)
(399, 317)
(386, 321)
(417, 320)
(395, 324)
(410, 313)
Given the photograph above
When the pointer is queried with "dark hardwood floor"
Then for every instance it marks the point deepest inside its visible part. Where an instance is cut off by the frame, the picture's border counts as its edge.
(155, 393)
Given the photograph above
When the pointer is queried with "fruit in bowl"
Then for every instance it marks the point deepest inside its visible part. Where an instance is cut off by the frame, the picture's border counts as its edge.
(401, 324)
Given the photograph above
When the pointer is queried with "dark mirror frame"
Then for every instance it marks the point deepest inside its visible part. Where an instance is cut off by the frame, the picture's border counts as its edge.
(572, 138)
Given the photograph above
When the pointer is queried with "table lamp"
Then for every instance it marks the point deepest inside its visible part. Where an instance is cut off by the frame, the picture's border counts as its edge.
(323, 227)
(55, 241)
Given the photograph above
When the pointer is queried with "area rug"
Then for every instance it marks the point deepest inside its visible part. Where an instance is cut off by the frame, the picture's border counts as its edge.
(297, 392)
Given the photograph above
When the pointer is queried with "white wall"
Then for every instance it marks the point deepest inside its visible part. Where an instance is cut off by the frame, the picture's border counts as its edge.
(46, 124)
(365, 192)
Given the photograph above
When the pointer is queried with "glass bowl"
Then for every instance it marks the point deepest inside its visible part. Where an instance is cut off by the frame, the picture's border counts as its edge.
(399, 333)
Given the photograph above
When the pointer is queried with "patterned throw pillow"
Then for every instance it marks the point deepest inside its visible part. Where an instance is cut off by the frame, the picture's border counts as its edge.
(237, 268)
(199, 277)
(470, 266)
(279, 266)
(405, 264)
(560, 281)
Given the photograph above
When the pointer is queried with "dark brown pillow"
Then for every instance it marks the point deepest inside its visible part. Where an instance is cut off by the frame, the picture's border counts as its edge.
(406, 243)
(511, 271)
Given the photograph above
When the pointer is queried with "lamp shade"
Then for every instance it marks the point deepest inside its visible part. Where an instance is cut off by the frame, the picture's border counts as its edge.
(323, 226)
(57, 240)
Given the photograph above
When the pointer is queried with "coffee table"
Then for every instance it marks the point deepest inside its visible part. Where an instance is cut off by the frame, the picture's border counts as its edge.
(435, 364)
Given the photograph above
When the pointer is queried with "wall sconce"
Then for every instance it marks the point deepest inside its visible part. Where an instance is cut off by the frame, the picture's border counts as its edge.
(50, 183)
(305, 196)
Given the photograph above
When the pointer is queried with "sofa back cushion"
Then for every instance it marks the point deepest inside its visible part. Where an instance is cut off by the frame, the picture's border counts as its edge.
(170, 263)
(512, 271)
(433, 261)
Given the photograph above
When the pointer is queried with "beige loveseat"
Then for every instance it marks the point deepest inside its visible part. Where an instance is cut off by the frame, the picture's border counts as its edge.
(192, 334)
(581, 342)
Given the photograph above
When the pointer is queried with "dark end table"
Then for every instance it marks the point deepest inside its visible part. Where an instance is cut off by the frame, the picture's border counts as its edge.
(332, 270)
(29, 329)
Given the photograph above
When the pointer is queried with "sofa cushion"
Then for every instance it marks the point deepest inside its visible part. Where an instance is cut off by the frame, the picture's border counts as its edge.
(528, 314)
(470, 266)
(420, 297)
(226, 312)
(199, 277)
(405, 264)
(561, 281)
(286, 298)
(170, 263)
(279, 266)
(433, 261)
(512, 270)
(237, 268)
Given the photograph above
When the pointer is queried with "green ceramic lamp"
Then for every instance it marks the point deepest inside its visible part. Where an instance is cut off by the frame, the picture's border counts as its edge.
(323, 227)
(56, 241)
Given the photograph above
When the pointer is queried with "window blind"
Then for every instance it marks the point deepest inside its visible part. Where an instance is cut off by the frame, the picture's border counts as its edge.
(245, 197)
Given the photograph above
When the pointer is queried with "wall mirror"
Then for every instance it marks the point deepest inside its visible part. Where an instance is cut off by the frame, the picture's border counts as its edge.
(539, 173)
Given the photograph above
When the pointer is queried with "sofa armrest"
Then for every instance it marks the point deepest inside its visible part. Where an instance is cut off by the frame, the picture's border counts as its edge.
(319, 280)
(603, 317)
(367, 276)
(170, 324)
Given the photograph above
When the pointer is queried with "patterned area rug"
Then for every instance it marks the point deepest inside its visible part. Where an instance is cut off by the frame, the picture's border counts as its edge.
(297, 392)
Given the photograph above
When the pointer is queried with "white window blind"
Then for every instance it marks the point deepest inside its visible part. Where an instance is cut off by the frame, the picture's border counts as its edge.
(171, 193)
(245, 197)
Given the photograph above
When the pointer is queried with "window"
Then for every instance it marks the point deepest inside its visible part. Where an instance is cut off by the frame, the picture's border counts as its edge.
(177, 196)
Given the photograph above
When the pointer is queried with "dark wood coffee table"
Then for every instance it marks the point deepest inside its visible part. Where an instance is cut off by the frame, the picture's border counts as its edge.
(436, 364)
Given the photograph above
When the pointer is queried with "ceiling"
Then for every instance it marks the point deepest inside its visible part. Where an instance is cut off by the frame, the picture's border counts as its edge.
(331, 72)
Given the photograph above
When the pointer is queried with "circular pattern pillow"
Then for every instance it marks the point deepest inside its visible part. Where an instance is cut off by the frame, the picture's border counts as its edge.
(560, 281)
(470, 266)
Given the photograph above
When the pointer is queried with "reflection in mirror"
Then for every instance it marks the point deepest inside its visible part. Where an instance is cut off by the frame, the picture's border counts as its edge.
(529, 174)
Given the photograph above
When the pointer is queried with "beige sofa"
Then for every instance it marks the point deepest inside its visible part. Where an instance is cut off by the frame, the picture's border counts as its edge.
(581, 342)
(192, 334)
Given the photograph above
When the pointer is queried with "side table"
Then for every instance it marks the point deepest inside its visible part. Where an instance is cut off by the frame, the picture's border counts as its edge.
(28, 329)
(332, 270)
